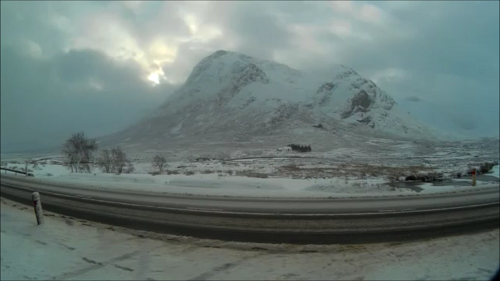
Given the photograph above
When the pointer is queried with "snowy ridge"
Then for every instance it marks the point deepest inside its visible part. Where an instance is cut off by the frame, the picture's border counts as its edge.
(234, 97)
(432, 115)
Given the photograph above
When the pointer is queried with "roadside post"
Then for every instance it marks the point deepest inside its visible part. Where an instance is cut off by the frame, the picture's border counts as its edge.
(473, 177)
(37, 204)
(26, 168)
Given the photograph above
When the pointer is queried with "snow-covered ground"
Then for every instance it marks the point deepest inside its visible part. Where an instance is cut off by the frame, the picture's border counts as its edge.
(496, 171)
(222, 184)
(341, 172)
(64, 248)
(378, 168)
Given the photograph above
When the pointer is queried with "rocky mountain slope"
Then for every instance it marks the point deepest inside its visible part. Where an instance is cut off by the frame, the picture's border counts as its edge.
(231, 97)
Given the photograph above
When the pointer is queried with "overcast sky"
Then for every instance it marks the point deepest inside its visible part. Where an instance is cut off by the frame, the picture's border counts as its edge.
(99, 66)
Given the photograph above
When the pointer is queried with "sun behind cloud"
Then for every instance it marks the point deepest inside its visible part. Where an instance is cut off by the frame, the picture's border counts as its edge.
(154, 77)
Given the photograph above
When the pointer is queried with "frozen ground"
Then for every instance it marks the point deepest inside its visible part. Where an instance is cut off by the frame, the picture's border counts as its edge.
(65, 248)
(222, 184)
(217, 180)
(379, 168)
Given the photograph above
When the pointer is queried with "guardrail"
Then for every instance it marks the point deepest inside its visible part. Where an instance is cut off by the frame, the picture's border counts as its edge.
(17, 172)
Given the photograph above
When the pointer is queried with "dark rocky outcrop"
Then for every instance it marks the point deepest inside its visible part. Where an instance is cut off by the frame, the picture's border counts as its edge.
(359, 103)
(319, 126)
(410, 178)
(430, 177)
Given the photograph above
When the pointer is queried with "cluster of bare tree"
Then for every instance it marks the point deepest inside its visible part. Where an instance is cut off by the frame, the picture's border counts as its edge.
(78, 152)
(159, 162)
(300, 148)
(114, 161)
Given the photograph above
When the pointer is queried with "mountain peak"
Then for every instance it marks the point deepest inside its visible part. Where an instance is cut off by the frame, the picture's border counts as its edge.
(226, 65)
(232, 96)
(220, 52)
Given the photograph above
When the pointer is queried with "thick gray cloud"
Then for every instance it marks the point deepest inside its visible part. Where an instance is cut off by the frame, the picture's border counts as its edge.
(44, 100)
(70, 66)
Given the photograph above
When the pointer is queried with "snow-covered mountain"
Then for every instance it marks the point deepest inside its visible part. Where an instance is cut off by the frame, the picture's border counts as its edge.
(234, 97)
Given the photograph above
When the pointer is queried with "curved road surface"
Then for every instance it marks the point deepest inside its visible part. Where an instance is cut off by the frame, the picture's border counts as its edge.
(276, 220)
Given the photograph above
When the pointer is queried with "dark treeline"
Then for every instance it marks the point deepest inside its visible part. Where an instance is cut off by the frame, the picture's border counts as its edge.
(301, 148)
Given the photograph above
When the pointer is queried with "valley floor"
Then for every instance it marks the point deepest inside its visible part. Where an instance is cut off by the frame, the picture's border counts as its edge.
(65, 248)
(224, 184)
(277, 176)
(336, 173)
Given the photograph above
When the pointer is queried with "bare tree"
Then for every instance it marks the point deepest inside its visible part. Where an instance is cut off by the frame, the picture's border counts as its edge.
(105, 162)
(159, 162)
(119, 160)
(114, 161)
(69, 153)
(78, 151)
(129, 167)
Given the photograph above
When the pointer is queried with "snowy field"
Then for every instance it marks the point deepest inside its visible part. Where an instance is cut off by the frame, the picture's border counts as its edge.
(205, 180)
(342, 172)
(64, 248)
(226, 185)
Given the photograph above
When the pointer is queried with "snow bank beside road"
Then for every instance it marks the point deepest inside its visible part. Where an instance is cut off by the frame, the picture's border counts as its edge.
(212, 184)
(496, 171)
(222, 184)
(67, 248)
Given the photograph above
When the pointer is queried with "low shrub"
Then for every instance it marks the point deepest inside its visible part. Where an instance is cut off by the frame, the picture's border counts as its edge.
(251, 174)
(486, 167)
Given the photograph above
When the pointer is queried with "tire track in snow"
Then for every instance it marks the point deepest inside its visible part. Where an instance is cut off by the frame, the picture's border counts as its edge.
(224, 267)
(95, 266)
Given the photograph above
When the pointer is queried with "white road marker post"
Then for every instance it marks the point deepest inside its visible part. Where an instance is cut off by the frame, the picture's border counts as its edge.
(37, 204)
(26, 168)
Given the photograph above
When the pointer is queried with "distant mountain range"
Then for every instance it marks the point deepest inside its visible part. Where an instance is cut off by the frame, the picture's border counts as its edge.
(443, 119)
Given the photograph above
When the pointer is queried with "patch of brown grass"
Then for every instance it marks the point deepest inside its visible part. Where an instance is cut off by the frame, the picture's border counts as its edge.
(251, 174)
(291, 167)
(357, 170)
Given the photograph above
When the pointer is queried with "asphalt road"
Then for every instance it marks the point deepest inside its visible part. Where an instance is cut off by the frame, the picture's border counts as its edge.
(351, 220)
